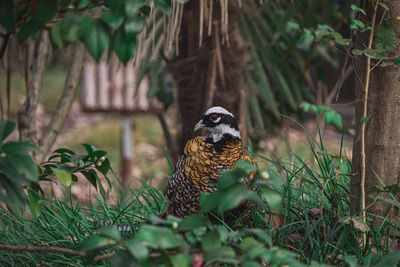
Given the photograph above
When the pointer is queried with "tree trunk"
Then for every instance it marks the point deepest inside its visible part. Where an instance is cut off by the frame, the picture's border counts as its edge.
(382, 142)
(208, 72)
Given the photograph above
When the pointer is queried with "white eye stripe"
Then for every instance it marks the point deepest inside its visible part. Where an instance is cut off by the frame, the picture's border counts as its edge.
(219, 110)
(216, 120)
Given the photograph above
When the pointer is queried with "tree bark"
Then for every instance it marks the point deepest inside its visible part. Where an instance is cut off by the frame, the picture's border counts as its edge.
(27, 112)
(207, 71)
(382, 142)
(64, 104)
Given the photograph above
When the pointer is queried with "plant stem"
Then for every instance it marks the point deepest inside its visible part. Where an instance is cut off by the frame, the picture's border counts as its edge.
(365, 108)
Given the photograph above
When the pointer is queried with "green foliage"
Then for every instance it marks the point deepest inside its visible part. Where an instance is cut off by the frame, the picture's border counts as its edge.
(17, 169)
(119, 25)
(313, 205)
(331, 116)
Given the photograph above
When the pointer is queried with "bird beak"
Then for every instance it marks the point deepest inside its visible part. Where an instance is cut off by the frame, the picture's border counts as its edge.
(199, 125)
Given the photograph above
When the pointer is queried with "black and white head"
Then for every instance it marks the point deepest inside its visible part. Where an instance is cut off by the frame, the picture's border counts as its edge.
(220, 123)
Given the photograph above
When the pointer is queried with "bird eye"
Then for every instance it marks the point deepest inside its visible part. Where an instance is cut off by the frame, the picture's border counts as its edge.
(214, 117)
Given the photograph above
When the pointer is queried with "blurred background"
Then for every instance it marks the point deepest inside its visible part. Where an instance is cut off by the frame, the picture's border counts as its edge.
(151, 68)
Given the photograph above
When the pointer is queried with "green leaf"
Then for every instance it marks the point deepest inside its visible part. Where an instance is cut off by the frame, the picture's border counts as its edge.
(137, 249)
(17, 147)
(158, 237)
(234, 196)
(292, 26)
(273, 198)
(133, 27)
(367, 118)
(6, 128)
(91, 177)
(385, 37)
(56, 34)
(179, 260)
(219, 253)
(111, 232)
(34, 203)
(211, 240)
(113, 20)
(262, 235)
(64, 176)
(396, 61)
(124, 45)
(96, 242)
(96, 39)
(132, 7)
(357, 9)
(378, 53)
(334, 118)
(7, 18)
(104, 166)
(73, 25)
(305, 106)
(246, 166)
(192, 222)
(164, 5)
(45, 11)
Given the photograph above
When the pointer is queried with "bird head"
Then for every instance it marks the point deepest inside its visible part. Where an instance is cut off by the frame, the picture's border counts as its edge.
(219, 122)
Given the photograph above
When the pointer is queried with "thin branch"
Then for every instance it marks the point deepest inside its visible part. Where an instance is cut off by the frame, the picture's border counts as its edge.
(365, 109)
(64, 103)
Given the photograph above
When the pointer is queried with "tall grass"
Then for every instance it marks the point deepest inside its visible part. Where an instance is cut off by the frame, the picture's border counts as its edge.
(314, 220)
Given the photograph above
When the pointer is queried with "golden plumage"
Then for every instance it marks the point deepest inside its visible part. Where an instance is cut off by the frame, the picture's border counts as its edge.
(199, 168)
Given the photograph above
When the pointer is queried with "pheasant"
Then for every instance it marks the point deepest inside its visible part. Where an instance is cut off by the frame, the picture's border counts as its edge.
(200, 166)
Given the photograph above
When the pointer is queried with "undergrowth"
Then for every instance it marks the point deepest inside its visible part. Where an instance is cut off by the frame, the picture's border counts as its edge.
(302, 218)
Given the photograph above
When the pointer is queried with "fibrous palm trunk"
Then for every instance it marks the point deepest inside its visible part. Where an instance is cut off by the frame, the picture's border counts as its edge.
(208, 68)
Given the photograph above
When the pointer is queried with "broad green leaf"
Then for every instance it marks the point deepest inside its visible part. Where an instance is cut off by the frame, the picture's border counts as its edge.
(234, 196)
(273, 198)
(385, 37)
(64, 176)
(192, 222)
(252, 248)
(246, 166)
(21, 165)
(181, 260)
(396, 61)
(113, 20)
(292, 26)
(124, 45)
(17, 147)
(357, 9)
(334, 118)
(134, 26)
(96, 242)
(377, 53)
(96, 39)
(219, 253)
(132, 7)
(45, 11)
(211, 240)
(164, 5)
(34, 203)
(56, 34)
(6, 128)
(137, 249)
(111, 232)
(72, 25)
(91, 177)
(262, 235)
(158, 237)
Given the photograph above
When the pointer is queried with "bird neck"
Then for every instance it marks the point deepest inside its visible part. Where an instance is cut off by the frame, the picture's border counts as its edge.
(223, 130)
(220, 144)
